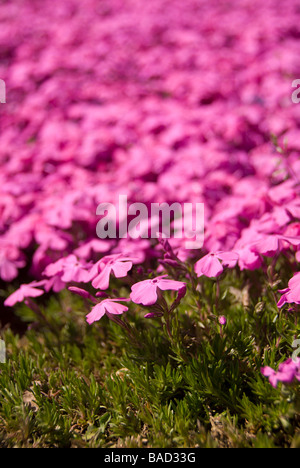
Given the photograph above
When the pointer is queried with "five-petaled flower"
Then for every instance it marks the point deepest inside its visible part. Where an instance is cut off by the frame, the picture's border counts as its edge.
(145, 292)
(107, 307)
(212, 265)
(101, 271)
(25, 291)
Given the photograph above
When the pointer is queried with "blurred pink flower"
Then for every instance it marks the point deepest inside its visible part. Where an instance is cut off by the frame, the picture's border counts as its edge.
(10, 261)
(25, 291)
(287, 372)
(222, 320)
(107, 306)
(69, 269)
(85, 250)
(271, 245)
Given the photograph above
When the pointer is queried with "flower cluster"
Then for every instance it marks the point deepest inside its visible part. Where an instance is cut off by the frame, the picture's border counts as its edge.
(146, 107)
(186, 102)
(144, 292)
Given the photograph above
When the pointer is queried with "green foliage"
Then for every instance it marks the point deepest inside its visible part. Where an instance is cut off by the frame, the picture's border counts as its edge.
(67, 384)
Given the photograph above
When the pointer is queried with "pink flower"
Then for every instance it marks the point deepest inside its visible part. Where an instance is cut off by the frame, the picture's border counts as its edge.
(55, 284)
(212, 265)
(107, 306)
(248, 260)
(10, 262)
(292, 293)
(69, 269)
(51, 238)
(145, 292)
(25, 290)
(9, 268)
(101, 271)
(222, 320)
(95, 245)
(287, 372)
(75, 270)
(270, 245)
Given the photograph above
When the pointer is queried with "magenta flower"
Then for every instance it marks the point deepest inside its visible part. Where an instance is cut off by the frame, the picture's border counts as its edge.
(9, 268)
(212, 265)
(55, 284)
(287, 372)
(96, 245)
(108, 307)
(75, 270)
(270, 245)
(222, 320)
(101, 271)
(10, 262)
(64, 148)
(69, 269)
(249, 260)
(292, 293)
(25, 291)
(145, 292)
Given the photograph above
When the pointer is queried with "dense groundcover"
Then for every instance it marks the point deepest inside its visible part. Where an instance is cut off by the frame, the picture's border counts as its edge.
(142, 342)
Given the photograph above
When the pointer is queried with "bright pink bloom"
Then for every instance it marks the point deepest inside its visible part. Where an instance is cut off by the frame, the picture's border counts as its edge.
(145, 292)
(64, 148)
(212, 265)
(292, 293)
(101, 271)
(287, 372)
(25, 290)
(107, 306)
